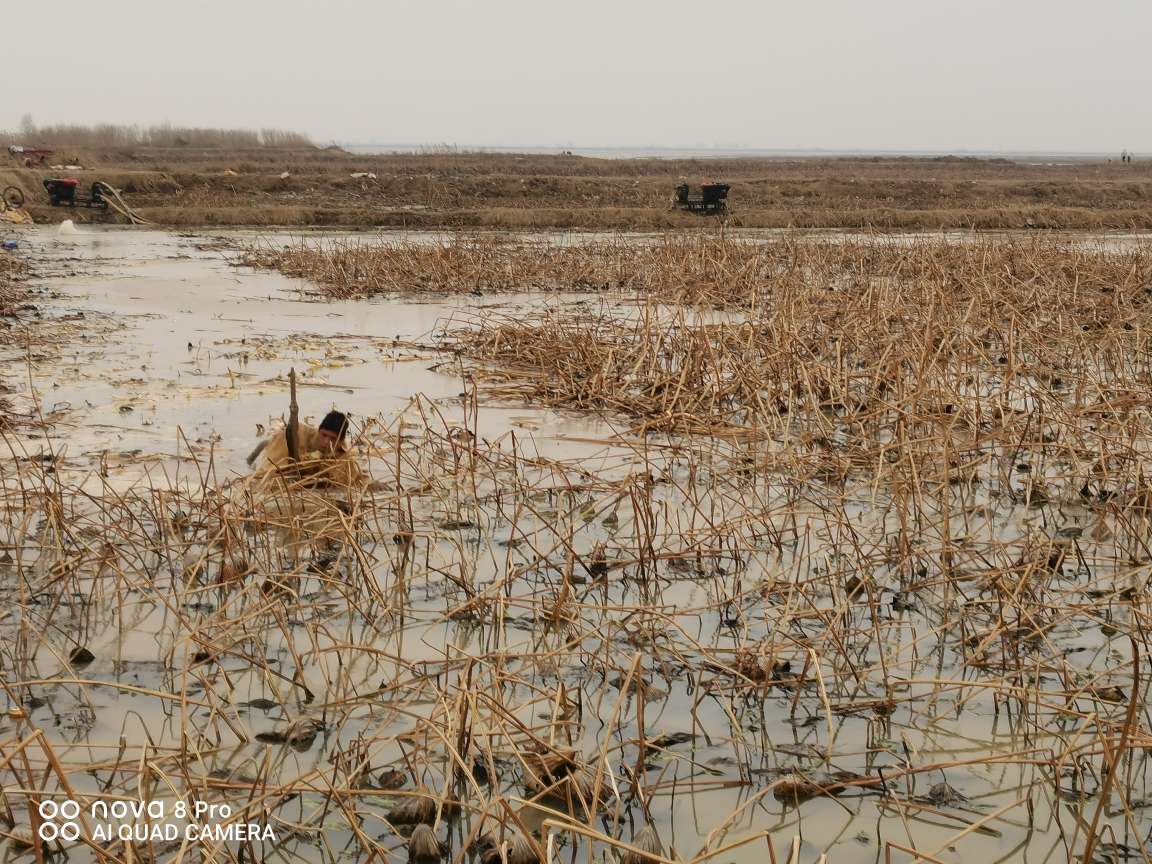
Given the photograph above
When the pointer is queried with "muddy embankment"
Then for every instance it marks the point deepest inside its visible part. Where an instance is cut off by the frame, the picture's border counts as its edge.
(327, 187)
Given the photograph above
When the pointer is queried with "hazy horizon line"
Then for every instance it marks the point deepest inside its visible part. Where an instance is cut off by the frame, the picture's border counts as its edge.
(849, 151)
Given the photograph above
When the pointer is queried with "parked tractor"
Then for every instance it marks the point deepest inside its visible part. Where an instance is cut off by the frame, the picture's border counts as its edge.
(712, 200)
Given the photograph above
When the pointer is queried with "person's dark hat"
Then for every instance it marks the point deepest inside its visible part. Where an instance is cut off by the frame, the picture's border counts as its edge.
(335, 422)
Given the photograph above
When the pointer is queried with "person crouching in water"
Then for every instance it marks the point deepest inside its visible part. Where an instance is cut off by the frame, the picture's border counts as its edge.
(324, 459)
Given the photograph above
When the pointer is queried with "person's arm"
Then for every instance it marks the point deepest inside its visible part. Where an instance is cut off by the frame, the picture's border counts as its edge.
(251, 460)
(275, 449)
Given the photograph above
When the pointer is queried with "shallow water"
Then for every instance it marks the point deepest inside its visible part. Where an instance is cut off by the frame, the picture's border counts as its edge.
(177, 345)
(198, 350)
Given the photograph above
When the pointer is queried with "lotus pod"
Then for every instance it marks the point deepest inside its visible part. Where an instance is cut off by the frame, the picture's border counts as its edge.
(646, 840)
(392, 779)
(413, 810)
(573, 792)
(303, 733)
(484, 848)
(21, 837)
(423, 847)
(794, 789)
(544, 769)
(521, 850)
(581, 784)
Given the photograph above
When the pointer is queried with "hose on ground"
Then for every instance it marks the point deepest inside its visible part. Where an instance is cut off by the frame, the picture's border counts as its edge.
(112, 196)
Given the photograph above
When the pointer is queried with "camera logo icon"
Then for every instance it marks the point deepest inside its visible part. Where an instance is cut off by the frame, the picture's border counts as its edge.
(58, 821)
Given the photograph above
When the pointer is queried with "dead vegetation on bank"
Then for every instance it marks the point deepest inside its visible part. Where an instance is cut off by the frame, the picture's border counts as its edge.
(12, 272)
(243, 184)
(888, 577)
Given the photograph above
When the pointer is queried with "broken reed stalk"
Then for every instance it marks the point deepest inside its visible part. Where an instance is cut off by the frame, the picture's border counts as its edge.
(293, 429)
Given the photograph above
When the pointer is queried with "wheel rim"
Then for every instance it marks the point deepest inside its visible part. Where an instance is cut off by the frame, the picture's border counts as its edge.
(13, 197)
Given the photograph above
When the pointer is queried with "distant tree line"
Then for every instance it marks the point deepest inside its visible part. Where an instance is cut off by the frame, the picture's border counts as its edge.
(165, 135)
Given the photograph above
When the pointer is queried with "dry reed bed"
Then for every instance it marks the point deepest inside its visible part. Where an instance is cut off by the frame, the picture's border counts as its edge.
(614, 636)
(12, 273)
(697, 268)
(849, 341)
(893, 581)
(673, 267)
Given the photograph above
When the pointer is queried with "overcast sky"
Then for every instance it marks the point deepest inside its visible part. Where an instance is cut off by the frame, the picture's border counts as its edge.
(1048, 75)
